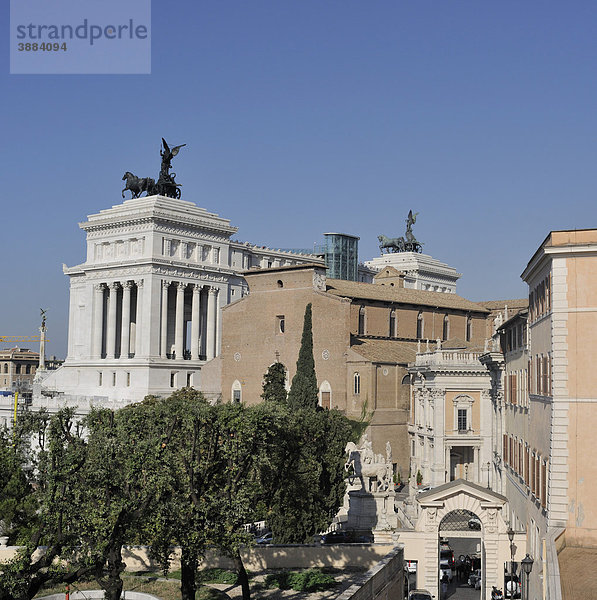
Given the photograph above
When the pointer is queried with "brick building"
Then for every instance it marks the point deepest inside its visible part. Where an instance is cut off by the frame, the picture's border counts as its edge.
(364, 336)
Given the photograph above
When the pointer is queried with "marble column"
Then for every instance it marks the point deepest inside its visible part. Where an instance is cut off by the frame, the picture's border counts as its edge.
(218, 334)
(164, 333)
(476, 465)
(125, 328)
(179, 329)
(139, 347)
(111, 335)
(98, 319)
(195, 316)
(210, 333)
(448, 463)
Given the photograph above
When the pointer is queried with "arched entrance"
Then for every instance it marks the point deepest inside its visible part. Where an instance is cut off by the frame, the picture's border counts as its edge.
(461, 556)
(469, 516)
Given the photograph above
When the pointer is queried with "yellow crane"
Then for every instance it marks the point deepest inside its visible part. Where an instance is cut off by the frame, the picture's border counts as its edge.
(20, 338)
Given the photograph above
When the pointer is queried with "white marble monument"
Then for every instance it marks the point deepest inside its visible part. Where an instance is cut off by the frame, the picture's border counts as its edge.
(422, 272)
(144, 314)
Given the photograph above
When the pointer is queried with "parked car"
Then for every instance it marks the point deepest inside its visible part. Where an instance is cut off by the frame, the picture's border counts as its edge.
(410, 566)
(425, 488)
(474, 523)
(512, 588)
(420, 595)
(267, 538)
(474, 579)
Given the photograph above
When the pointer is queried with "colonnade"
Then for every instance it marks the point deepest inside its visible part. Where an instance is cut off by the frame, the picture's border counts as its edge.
(119, 308)
(111, 338)
(204, 321)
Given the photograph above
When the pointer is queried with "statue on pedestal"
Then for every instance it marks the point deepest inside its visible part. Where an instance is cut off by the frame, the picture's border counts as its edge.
(366, 464)
(165, 185)
(402, 244)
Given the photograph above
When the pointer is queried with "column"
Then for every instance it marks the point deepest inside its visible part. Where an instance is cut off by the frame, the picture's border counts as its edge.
(98, 319)
(195, 316)
(179, 330)
(218, 340)
(111, 335)
(476, 465)
(448, 464)
(210, 333)
(139, 348)
(125, 329)
(164, 336)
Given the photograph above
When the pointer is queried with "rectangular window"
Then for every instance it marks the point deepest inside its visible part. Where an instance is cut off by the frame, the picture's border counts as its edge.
(100, 379)
(462, 419)
(128, 379)
(236, 396)
(172, 377)
(114, 378)
(325, 399)
(216, 256)
(543, 484)
(189, 379)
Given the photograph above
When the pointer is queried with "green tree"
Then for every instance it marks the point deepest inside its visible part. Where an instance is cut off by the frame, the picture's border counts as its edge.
(247, 439)
(274, 386)
(304, 391)
(53, 452)
(117, 486)
(183, 508)
(307, 482)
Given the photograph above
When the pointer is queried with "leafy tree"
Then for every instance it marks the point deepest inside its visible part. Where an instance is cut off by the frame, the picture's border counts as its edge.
(274, 386)
(304, 391)
(53, 451)
(307, 480)
(182, 511)
(119, 482)
(247, 438)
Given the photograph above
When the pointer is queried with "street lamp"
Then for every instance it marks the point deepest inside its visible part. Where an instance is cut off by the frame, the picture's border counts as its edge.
(511, 538)
(527, 567)
(488, 470)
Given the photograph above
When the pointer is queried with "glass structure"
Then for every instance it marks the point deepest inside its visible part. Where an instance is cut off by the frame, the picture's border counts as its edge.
(341, 253)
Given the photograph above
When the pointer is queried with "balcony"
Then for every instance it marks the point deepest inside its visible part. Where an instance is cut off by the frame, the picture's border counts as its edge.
(448, 358)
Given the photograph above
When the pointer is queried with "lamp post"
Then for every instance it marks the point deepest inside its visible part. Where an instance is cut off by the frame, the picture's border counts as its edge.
(488, 470)
(527, 567)
(511, 538)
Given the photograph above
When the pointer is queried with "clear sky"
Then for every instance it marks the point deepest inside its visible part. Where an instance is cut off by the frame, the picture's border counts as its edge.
(306, 116)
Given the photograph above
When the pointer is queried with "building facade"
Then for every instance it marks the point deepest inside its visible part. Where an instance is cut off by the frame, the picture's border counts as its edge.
(364, 337)
(144, 314)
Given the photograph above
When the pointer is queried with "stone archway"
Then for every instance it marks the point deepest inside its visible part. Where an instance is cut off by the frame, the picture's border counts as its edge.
(462, 497)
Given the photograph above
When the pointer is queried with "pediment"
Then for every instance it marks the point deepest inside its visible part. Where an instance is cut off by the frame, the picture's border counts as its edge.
(438, 496)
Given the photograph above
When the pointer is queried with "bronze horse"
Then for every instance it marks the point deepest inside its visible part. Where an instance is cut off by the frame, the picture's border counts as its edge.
(138, 185)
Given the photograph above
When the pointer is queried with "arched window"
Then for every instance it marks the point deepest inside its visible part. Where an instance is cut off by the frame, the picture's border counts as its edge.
(446, 329)
(392, 323)
(420, 326)
(469, 328)
(357, 384)
(28, 370)
(236, 391)
(18, 369)
(361, 330)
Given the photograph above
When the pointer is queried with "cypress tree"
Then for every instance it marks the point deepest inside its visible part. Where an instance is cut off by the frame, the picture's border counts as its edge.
(274, 388)
(303, 391)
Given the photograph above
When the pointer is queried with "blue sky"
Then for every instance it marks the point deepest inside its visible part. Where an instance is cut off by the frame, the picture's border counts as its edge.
(306, 116)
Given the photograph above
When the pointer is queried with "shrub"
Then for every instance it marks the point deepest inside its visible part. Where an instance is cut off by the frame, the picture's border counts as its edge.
(217, 576)
(313, 580)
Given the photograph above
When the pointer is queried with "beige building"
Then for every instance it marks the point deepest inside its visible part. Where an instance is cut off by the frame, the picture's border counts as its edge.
(364, 336)
(17, 368)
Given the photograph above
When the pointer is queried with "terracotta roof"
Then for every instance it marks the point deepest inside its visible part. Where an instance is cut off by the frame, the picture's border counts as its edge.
(501, 304)
(457, 344)
(393, 351)
(373, 291)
